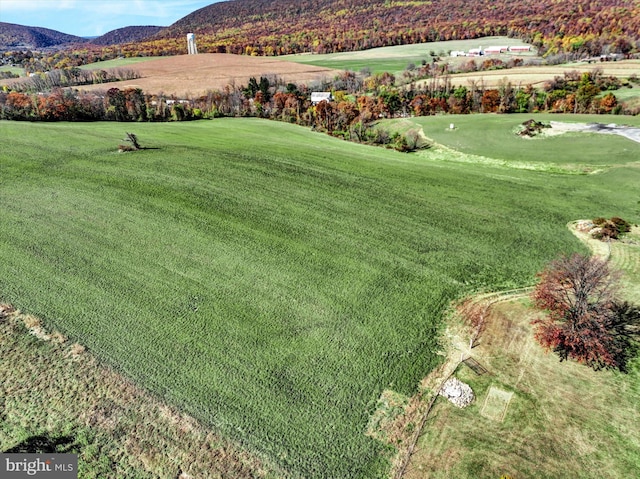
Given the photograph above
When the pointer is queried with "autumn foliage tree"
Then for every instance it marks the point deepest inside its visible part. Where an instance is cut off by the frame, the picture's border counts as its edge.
(584, 321)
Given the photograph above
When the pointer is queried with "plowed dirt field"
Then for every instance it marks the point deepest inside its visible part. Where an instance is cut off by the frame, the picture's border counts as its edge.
(192, 75)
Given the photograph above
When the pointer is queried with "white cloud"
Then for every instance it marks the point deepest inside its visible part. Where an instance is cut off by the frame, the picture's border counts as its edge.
(152, 8)
(36, 5)
(95, 17)
(167, 10)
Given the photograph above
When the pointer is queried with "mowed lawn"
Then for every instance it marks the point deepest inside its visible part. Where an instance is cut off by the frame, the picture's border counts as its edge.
(270, 280)
(494, 136)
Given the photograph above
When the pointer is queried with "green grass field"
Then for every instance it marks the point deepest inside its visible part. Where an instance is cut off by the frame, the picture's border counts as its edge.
(628, 95)
(493, 137)
(396, 58)
(270, 280)
(14, 70)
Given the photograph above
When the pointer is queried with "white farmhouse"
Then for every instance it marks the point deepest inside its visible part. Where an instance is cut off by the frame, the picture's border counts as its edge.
(318, 96)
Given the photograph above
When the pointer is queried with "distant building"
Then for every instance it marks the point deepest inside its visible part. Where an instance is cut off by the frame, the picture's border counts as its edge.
(318, 96)
(520, 48)
(495, 50)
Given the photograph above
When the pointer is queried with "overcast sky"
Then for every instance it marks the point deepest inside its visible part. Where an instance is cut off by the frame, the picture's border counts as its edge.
(95, 17)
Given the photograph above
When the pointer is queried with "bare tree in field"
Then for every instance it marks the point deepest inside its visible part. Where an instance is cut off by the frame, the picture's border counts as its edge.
(584, 321)
(135, 144)
(475, 314)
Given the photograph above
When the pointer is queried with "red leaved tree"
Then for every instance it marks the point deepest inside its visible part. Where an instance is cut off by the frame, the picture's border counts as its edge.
(583, 321)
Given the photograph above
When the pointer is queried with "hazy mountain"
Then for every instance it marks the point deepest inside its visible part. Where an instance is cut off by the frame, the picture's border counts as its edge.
(31, 38)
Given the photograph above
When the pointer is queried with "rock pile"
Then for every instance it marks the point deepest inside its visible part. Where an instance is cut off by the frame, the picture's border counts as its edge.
(459, 393)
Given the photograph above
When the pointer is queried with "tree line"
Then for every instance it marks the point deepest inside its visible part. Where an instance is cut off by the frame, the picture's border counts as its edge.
(359, 100)
(68, 77)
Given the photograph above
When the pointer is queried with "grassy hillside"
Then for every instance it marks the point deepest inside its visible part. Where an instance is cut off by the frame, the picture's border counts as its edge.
(57, 398)
(535, 416)
(269, 280)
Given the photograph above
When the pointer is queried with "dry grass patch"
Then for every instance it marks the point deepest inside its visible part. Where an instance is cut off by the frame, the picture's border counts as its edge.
(539, 418)
(537, 75)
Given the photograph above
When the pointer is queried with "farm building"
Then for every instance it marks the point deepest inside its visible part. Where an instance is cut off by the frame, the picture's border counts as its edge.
(520, 48)
(496, 50)
(318, 96)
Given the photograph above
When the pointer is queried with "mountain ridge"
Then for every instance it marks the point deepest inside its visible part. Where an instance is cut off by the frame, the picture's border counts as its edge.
(279, 27)
(127, 35)
(13, 35)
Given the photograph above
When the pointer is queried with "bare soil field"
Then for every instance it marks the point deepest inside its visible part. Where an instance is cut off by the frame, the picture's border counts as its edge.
(536, 76)
(193, 75)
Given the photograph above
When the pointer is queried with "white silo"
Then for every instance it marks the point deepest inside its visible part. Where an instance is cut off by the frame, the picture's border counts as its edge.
(191, 44)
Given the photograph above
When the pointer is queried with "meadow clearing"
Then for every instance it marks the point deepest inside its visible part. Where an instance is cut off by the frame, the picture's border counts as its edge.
(496, 141)
(271, 281)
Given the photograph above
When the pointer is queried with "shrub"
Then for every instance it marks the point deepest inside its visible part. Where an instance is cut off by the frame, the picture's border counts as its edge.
(622, 225)
(610, 228)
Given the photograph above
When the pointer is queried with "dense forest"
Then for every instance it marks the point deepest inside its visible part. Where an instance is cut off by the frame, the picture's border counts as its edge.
(277, 27)
(126, 35)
